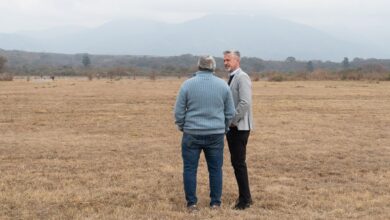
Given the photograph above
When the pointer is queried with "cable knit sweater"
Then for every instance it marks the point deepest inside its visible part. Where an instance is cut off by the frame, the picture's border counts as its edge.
(204, 105)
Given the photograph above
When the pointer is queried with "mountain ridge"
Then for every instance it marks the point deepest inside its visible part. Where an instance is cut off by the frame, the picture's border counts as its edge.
(255, 36)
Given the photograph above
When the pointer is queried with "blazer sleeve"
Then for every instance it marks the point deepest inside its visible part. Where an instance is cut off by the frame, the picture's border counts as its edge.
(244, 98)
(229, 108)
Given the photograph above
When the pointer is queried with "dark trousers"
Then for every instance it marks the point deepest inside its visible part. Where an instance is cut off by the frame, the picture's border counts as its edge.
(237, 141)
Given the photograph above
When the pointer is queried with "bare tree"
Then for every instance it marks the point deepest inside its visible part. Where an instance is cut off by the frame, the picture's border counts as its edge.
(3, 60)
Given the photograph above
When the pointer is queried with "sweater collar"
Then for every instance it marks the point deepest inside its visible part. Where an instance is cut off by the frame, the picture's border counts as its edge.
(204, 73)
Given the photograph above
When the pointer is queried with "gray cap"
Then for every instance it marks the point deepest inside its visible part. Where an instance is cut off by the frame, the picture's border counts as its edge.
(206, 62)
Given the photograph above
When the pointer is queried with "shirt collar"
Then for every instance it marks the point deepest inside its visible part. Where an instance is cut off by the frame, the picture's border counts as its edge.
(235, 71)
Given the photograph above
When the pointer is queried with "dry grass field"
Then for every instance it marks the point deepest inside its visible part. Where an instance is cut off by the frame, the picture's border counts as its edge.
(78, 149)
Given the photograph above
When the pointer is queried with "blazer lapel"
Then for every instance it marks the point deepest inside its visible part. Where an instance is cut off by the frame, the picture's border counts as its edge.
(232, 83)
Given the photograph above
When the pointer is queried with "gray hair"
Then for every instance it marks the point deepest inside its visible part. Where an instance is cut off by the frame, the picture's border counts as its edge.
(236, 53)
(206, 63)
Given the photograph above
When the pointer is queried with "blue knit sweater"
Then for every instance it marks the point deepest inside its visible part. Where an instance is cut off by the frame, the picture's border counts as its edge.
(204, 105)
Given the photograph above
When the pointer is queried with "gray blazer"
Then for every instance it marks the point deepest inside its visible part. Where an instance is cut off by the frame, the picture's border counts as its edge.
(241, 88)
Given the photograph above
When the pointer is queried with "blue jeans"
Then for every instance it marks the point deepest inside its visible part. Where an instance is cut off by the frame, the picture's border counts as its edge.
(212, 146)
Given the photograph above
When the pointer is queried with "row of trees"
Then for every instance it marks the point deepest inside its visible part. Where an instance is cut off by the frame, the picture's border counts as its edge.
(256, 64)
(25, 63)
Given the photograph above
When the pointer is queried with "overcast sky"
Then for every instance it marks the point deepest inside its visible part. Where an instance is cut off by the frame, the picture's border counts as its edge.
(370, 17)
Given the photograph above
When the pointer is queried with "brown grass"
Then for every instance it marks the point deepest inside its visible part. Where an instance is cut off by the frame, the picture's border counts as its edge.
(79, 149)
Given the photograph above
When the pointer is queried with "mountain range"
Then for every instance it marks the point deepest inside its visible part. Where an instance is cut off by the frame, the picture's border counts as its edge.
(255, 36)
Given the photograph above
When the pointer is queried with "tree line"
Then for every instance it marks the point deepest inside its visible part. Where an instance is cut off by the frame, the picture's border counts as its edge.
(31, 63)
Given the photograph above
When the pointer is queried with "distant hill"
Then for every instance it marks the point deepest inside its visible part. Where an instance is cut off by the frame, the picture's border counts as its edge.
(255, 36)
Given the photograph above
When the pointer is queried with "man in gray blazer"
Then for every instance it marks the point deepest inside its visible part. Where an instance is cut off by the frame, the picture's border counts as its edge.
(242, 123)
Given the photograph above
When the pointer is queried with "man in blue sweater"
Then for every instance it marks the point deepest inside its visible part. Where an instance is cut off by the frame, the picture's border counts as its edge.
(203, 112)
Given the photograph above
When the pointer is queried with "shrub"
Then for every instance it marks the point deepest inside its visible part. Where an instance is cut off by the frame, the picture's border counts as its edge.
(351, 75)
(90, 76)
(3, 60)
(117, 73)
(256, 77)
(152, 76)
(321, 74)
(276, 78)
(298, 76)
(6, 77)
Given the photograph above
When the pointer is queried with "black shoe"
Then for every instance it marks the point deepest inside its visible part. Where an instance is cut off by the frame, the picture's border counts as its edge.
(250, 201)
(241, 205)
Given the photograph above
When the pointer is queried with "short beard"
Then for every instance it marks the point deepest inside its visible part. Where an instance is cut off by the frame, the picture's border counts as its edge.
(228, 69)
